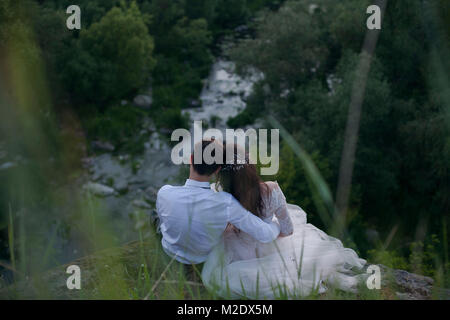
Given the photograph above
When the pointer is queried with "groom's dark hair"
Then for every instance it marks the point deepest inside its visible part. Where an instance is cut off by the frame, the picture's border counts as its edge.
(203, 168)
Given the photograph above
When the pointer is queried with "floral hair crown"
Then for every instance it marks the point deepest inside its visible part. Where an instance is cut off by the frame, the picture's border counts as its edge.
(239, 163)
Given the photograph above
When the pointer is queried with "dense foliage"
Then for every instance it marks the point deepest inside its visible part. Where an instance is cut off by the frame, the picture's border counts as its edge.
(402, 170)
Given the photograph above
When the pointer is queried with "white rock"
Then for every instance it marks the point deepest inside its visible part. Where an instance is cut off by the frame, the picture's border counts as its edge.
(98, 189)
(121, 185)
(143, 101)
(102, 145)
(7, 165)
(312, 8)
(141, 204)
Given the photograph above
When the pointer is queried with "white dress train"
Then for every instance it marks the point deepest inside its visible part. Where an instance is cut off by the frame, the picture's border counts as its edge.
(307, 261)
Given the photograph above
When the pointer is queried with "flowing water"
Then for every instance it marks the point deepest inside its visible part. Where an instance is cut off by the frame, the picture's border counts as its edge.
(223, 95)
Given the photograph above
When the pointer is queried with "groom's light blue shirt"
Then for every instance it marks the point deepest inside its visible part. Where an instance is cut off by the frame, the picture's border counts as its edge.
(193, 218)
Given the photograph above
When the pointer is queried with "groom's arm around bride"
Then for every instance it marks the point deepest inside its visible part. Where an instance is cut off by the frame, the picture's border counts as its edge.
(193, 217)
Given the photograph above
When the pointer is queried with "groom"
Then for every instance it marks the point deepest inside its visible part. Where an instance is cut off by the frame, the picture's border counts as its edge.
(193, 217)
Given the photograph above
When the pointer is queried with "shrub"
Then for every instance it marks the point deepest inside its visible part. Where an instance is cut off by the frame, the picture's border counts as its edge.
(113, 57)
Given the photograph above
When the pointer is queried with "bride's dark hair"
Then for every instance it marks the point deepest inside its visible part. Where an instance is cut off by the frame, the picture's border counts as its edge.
(243, 182)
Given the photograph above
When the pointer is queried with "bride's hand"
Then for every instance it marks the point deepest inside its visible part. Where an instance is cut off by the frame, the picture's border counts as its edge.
(284, 235)
(230, 228)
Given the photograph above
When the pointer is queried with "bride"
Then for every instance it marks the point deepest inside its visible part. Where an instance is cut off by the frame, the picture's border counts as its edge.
(303, 260)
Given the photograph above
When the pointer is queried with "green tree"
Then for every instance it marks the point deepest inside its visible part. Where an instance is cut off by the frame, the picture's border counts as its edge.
(287, 48)
(230, 13)
(113, 57)
(165, 14)
(196, 9)
(401, 170)
(186, 60)
(191, 39)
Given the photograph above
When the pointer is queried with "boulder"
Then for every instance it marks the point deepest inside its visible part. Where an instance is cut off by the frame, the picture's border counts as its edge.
(7, 165)
(195, 103)
(409, 286)
(141, 204)
(241, 29)
(98, 189)
(150, 193)
(121, 185)
(143, 101)
(102, 146)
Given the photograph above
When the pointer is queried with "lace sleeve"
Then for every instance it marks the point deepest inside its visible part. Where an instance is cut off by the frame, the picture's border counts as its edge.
(279, 208)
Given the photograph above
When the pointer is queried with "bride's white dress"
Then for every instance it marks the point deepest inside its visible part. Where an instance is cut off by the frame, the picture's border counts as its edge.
(304, 262)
